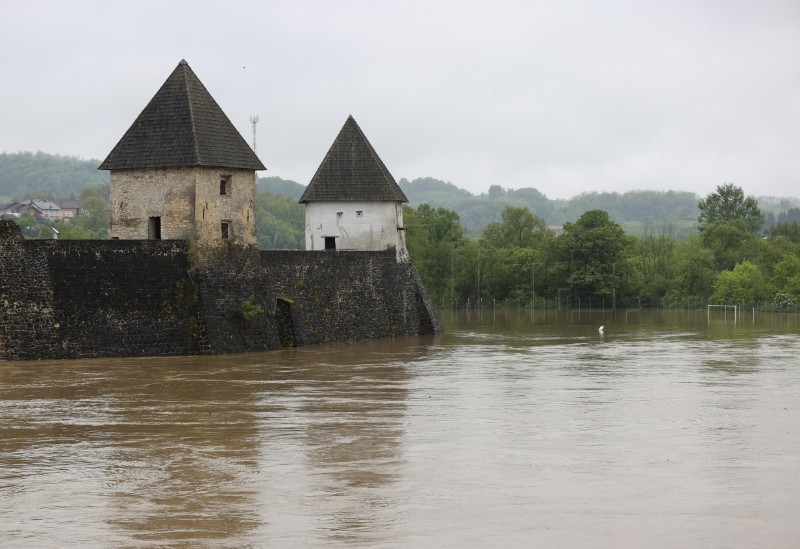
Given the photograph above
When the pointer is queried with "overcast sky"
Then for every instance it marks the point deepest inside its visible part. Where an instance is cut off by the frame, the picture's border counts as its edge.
(563, 96)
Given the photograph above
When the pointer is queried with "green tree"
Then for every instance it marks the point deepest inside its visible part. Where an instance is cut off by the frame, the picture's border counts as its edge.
(28, 225)
(728, 205)
(75, 231)
(591, 257)
(785, 230)
(694, 270)
(46, 231)
(744, 284)
(518, 228)
(94, 214)
(510, 249)
(432, 238)
(508, 272)
(653, 263)
(727, 221)
(786, 277)
(726, 240)
(280, 222)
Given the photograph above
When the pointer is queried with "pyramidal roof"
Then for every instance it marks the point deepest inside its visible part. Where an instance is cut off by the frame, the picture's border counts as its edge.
(352, 171)
(182, 126)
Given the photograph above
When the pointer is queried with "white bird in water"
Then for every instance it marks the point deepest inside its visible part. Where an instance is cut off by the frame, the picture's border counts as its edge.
(600, 330)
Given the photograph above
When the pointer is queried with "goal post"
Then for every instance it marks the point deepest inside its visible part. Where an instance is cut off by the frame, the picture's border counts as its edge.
(725, 311)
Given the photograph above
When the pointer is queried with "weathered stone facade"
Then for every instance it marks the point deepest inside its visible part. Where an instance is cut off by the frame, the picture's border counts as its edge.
(183, 171)
(190, 203)
(100, 298)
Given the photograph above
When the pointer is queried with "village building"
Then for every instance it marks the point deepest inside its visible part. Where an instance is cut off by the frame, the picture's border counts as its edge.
(353, 202)
(70, 209)
(182, 170)
(41, 209)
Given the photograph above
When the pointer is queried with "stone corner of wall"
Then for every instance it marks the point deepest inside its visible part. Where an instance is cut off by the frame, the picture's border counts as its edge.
(10, 231)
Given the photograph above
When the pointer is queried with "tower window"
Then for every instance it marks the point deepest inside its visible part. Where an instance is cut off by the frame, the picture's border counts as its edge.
(224, 185)
(226, 230)
(359, 213)
(154, 228)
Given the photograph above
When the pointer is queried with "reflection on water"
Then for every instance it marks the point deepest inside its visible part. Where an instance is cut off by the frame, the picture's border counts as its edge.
(673, 428)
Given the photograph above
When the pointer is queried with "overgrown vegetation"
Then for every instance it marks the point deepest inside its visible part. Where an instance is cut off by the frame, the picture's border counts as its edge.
(249, 309)
(594, 260)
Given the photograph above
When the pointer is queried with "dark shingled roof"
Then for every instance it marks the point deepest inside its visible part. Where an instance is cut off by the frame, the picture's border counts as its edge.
(352, 171)
(182, 126)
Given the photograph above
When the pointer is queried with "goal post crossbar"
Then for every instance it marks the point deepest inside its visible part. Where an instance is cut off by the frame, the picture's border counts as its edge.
(725, 310)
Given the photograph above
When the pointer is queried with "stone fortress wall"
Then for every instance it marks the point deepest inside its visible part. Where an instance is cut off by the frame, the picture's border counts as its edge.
(123, 298)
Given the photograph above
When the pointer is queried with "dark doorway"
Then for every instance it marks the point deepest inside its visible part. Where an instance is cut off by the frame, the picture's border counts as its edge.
(283, 318)
(330, 242)
(154, 228)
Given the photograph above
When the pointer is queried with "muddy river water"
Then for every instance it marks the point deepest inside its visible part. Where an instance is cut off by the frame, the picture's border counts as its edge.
(669, 430)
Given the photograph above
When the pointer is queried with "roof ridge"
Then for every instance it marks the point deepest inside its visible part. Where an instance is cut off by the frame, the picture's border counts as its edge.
(184, 65)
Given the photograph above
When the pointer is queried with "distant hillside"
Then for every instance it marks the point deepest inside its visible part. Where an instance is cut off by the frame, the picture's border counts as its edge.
(24, 174)
(427, 190)
(278, 186)
(476, 211)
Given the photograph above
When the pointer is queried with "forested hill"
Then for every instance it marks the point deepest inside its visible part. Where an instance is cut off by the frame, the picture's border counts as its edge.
(476, 211)
(27, 174)
(281, 187)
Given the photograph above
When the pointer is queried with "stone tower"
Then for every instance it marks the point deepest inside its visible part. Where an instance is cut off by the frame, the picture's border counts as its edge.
(182, 170)
(353, 202)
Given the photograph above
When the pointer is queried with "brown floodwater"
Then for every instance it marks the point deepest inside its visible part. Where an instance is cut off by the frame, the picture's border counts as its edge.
(671, 429)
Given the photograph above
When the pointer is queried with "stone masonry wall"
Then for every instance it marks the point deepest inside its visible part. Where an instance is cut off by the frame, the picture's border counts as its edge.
(187, 200)
(330, 297)
(138, 194)
(75, 299)
(235, 206)
(93, 298)
(348, 296)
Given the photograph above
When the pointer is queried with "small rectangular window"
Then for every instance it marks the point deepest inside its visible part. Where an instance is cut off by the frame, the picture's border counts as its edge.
(339, 214)
(359, 213)
(224, 185)
(226, 230)
(154, 228)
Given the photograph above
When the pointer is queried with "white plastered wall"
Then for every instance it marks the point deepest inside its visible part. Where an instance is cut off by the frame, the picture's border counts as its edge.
(377, 227)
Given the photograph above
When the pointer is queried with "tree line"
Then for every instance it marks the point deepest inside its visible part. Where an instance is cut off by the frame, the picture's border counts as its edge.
(593, 261)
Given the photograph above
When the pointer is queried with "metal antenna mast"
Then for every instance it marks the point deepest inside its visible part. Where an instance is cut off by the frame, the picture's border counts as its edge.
(254, 121)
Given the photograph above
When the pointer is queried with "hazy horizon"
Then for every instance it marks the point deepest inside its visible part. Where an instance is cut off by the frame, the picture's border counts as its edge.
(560, 97)
(266, 174)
